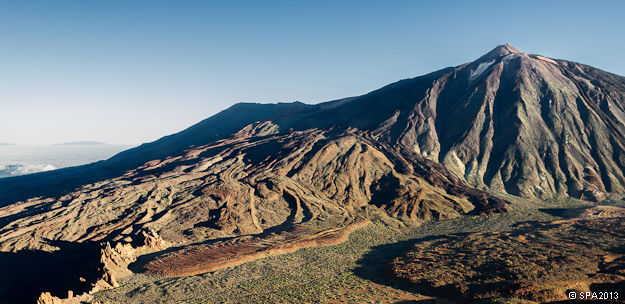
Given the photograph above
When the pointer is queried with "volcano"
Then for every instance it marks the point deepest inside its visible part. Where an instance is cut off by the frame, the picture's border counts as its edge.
(263, 179)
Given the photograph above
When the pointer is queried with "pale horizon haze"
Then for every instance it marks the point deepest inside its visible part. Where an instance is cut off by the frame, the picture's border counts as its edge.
(128, 72)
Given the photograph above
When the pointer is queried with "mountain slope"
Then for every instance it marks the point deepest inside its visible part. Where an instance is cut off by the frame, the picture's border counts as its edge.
(219, 126)
(512, 122)
(256, 180)
(257, 193)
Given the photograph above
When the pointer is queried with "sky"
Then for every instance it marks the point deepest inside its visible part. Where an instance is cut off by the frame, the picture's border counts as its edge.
(128, 72)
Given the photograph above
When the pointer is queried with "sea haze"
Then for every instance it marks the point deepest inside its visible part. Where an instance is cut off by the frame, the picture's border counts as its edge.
(20, 160)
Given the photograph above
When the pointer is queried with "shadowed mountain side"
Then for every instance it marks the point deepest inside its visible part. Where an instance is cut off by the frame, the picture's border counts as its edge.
(25, 274)
(222, 125)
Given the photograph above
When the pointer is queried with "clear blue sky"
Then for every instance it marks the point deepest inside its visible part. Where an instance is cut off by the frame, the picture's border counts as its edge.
(132, 71)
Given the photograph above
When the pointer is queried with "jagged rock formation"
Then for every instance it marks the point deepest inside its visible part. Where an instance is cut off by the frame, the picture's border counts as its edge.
(116, 259)
(47, 298)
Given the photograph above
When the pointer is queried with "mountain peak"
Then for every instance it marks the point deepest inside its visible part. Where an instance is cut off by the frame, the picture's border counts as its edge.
(505, 49)
(508, 48)
(500, 51)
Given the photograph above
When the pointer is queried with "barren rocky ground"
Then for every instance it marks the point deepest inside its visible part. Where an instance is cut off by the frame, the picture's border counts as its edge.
(535, 261)
(361, 270)
(257, 194)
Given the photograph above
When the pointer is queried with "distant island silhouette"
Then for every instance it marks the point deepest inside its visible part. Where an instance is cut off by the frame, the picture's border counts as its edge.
(82, 143)
(6, 144)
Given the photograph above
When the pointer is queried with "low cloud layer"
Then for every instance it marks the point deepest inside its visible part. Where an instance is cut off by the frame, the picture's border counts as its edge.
(19, 169)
